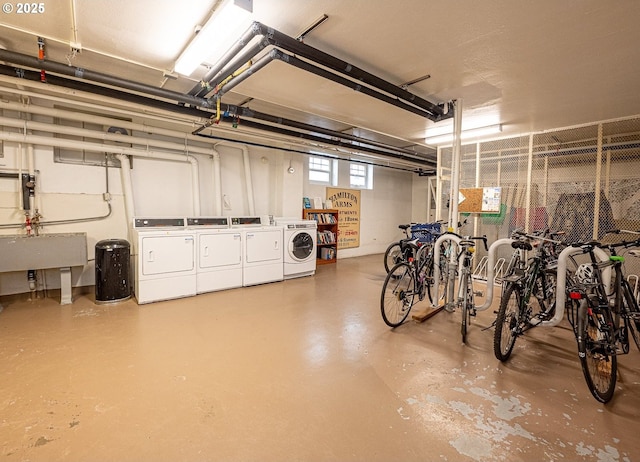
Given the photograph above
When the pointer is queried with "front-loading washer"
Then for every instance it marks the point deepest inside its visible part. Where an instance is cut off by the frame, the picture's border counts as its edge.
(300, 246)
(262, 256)
(165, 259)
(219, 254)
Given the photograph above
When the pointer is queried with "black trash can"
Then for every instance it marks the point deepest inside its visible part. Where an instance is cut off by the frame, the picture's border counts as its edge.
(112, 271)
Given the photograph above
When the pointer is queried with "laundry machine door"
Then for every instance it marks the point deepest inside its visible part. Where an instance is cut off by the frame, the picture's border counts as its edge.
(263, 245)
(224, 249)
(301, 246)
(167, 254)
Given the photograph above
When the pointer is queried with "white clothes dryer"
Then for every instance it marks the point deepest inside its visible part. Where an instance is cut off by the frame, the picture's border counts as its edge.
(300, 247)
(165, 259)
(219, 254)
(262, 254)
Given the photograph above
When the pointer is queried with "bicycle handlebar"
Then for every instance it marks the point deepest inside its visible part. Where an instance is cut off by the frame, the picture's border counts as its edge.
(476, 238)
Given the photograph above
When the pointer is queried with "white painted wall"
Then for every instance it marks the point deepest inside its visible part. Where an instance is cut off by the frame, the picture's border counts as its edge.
(164, 188)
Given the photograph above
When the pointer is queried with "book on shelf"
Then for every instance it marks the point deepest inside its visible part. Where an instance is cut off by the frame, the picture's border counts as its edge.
(327, 253)
(326, 237)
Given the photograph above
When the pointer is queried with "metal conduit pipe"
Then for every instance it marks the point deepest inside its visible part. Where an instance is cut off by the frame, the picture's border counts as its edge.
(123, 96)
(247, 171)
(62, 222)
(96, 147)
(79, 73)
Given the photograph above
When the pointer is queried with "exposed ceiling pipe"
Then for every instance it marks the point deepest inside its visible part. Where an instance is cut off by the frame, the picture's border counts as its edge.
(79, 73)
(191, 111)
(105, 136)
(303, 65)
(300, 64)
(247, 36)
(278, 39)
(343, 144)
(319, 151)
(83, 117)
(250, 113)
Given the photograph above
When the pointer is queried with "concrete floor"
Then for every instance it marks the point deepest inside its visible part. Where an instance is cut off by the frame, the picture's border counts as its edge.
(301, 370)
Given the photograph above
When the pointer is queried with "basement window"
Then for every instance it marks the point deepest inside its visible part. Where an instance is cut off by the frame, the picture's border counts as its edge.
(361, 176)
(322, 170)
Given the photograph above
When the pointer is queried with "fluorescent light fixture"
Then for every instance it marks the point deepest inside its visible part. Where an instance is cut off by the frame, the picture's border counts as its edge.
(465, 134)
(223, 28)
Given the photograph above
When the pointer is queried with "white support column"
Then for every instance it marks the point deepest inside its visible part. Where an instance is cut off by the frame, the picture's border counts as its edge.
(596, 202)
(455, 165)
(527, 210)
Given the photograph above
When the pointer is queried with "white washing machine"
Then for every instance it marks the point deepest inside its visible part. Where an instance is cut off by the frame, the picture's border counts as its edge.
(300, 244)
(262, 254)
(218, 254)
(165, 259)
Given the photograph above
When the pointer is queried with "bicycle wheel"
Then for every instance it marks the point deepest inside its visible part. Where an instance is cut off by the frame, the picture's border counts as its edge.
(507, 322)
(442, 282)
(392, 256)
(599, 366)
(467, 307)
(632, 313)
(544, 301)
(398, 292)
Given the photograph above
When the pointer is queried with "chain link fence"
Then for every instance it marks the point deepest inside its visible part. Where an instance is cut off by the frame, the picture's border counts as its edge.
(583, 181)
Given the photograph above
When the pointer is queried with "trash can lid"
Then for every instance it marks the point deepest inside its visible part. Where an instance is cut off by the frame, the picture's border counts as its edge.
(113, 244)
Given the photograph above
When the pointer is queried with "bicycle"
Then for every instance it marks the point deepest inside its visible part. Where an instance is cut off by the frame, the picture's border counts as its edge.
(400, 251)
(465, 298)
(602, 321)
(528, 295)
(408, 279)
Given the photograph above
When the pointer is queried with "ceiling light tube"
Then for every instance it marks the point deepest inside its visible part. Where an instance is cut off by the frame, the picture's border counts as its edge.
(465, 134)
(216, 36)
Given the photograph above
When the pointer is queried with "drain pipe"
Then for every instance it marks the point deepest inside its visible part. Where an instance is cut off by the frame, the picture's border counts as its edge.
(127, 191)
(217, 183)
(247, 172)
(195, 184)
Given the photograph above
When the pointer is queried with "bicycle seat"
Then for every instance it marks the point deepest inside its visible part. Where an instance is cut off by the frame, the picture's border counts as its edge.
(404, 226)
(467, 243)
(524, 245)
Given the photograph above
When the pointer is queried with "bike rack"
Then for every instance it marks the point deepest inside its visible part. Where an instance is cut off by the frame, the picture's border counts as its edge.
(491, 270)
(562, 280)
(491, 263)
(451, 267)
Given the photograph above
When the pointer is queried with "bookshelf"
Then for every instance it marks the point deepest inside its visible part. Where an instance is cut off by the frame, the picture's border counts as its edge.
(327, 245)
